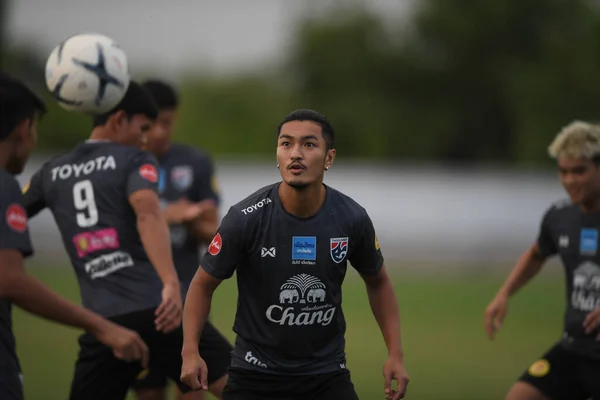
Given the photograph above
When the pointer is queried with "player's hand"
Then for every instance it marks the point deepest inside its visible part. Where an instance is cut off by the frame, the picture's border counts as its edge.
(394, 370)
(494, 315)
(126, 344)
(194, 371)
(184, 210)
(592, 322)
(168, 314)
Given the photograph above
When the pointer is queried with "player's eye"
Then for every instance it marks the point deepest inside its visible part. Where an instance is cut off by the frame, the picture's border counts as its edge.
(285, 144)
(310, 144)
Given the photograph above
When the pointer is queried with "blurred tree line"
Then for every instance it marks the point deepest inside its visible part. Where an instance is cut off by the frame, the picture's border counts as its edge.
(464, 81)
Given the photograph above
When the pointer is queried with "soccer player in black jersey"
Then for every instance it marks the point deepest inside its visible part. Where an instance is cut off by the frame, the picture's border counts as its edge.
(290, 244)
(189, 198)
(103, 196)
(19, 108)
(570, 369)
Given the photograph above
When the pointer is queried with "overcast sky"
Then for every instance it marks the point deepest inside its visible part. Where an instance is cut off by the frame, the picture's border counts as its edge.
(219, 35)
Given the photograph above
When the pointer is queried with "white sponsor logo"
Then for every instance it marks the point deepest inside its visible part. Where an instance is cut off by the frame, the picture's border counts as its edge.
(102, 163)
(108, 263)
(254, 361)
(563, 241)
(270, 252)
(586, 287)
(305, 296)
(256, 206)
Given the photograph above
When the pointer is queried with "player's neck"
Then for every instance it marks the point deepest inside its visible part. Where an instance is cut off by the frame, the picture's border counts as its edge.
(100, 134)
(591, 207)
(302, 203)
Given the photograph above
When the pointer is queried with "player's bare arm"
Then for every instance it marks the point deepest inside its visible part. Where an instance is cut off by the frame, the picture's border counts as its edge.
(527, 266)
(205, 225)
(384, 305)
(195, 313)
(154, 234)
(35, 297)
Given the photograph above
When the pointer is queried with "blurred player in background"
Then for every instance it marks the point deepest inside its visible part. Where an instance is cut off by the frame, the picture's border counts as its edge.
(188, 193)
(103, 195)
(19, 109)
(570, 370)
(290, 244)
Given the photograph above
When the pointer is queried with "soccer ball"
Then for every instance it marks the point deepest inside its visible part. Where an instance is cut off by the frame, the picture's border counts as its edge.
(87, 73)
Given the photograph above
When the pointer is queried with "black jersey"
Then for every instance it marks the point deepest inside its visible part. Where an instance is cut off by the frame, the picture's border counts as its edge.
(185, 172)
(290, 271)
(573, 235)
(14, 235)
(87, 190)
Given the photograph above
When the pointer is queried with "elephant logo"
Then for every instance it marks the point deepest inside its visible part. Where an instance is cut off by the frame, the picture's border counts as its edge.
(301, 289)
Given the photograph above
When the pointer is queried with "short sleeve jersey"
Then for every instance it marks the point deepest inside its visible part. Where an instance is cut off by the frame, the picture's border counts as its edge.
(573, 235)
(185, 172)
(290, 271)
(87, 190)
(14, 235)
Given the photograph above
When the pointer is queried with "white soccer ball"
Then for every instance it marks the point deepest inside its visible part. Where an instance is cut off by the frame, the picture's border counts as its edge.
(87, 73)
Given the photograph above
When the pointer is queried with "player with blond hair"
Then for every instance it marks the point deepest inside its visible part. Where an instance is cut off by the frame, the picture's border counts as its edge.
(570, 370)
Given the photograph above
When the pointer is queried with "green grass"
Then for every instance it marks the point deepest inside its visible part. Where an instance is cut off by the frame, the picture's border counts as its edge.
(447, 353)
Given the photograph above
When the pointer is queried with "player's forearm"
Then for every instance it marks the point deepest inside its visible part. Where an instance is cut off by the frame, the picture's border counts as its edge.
(33, 296)
(203, 230)
(384, 305)
(527, 266)
(195, 314)
(154, 234)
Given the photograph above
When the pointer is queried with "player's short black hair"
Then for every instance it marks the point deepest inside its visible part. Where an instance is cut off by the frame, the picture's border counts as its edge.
(165, 95)
(305, 114)
(17, 104)
(136, 101)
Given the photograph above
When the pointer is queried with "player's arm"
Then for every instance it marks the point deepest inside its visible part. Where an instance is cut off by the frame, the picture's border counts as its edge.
(31, 295)
(205, 225)
(367, 259)
(154, 234)
(34, 194)
(527, 266)
(219, 263)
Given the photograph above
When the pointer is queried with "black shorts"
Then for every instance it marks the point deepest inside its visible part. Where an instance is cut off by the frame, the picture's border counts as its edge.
(245, 384)
(99, 375)
(214, 349)
(563, 375)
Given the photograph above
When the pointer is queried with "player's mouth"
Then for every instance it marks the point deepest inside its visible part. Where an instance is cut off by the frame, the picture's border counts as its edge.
(296, 168)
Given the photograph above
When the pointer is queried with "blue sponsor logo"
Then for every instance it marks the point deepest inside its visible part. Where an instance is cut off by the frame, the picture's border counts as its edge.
(162, 180)
(304, 248)
(588, 242)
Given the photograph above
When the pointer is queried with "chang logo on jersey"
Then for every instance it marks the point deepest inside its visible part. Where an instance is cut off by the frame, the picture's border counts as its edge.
(256, 206)
(107, 264)
(302, 303)
(102, 163)
(586, 287)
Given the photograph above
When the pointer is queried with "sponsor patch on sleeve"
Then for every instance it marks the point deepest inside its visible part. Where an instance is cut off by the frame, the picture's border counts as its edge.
(215, 246)
(149, 172)
(16, 218)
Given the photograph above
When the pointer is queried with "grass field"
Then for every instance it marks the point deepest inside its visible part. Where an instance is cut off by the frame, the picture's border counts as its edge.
(447, 354)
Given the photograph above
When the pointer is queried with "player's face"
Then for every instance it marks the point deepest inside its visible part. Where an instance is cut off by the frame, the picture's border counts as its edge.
(159, 136)
(580, 178)
(24, 141)
(302, 153)
(133, 130)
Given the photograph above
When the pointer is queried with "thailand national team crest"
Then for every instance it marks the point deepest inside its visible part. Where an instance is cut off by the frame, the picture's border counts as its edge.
(182, 177)
(339, 249)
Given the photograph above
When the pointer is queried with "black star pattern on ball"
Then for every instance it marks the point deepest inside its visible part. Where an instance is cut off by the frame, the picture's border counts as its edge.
(58, 88)
(99, 69)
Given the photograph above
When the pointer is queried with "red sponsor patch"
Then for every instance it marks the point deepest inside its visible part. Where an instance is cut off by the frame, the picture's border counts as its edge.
(148, 172)
(16, 218)
(215, 246)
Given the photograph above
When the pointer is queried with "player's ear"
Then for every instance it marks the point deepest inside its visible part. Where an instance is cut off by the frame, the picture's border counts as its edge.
(329, 157)
(117, 120)
(22, 130)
